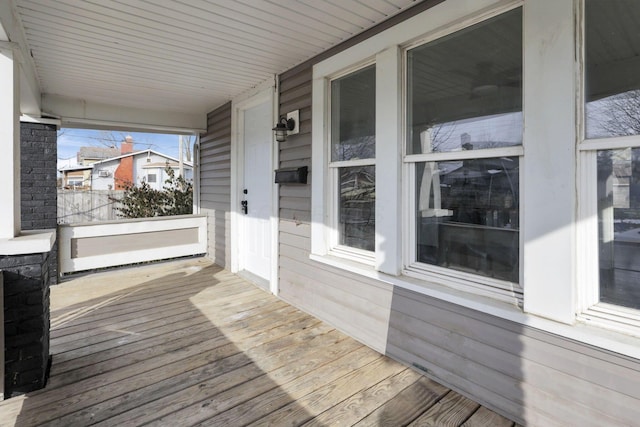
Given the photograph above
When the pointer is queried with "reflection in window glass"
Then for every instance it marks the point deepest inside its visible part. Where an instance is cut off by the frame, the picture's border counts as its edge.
(353, 116)
(465, 89)
(357, 207)
(612, 68)
(464, 92)
(619, 226)
(468, 216)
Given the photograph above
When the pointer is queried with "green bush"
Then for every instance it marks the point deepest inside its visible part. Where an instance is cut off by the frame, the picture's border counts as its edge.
(142, 201)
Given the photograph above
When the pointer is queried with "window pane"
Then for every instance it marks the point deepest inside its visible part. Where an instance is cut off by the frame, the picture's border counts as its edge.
(612, 68)
(353, 116)
(465, 90)
(357, 207)
(619, 226)
(468, 216)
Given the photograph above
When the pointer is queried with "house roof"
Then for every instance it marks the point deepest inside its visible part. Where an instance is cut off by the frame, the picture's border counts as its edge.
(172, 160)
(183, 58)
(75, 168)
(141, 152)
(172, 164)
(97, 152)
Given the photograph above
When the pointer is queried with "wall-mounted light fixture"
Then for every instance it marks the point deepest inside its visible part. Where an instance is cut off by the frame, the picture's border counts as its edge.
(288, 125)
(284, 125)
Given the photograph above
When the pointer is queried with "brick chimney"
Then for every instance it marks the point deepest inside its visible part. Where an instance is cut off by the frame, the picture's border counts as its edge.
(123, 175)
(126, 146)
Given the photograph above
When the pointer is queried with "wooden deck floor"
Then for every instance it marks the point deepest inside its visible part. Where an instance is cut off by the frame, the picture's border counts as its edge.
(186, 343)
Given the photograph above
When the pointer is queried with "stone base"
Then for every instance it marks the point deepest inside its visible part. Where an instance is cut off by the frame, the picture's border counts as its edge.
(26, 322)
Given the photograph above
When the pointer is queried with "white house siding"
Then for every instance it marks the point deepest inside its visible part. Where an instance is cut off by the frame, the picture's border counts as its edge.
(215, 178)
(106, 182)
(529, 375)
(140, 172)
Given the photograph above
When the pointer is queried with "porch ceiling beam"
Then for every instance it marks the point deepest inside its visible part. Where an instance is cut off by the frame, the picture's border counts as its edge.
(87, 114)
(11, 30)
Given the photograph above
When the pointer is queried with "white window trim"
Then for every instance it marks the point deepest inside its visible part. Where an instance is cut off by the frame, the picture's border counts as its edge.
(553, 279)
(325, 206)
(548, 272)
(391, 224)
(333, 205)
(590, 309)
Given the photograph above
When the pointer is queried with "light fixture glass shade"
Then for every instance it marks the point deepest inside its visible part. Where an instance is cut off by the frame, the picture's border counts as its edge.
(281, 129)
(281, 132)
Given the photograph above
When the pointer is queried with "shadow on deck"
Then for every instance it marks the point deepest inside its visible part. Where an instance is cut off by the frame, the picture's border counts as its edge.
(188, 343)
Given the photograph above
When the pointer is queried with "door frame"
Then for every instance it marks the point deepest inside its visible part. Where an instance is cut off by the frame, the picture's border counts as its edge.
(265, 92)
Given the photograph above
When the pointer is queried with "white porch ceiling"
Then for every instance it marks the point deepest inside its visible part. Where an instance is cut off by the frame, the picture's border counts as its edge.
(185, 56)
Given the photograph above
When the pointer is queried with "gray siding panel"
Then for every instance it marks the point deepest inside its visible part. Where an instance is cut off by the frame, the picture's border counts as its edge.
(529, 375)
(215, 182)
(519, 371)
(342, 299)
(526, 374)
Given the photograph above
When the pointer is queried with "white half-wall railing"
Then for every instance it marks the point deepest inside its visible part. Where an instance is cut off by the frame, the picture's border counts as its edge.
(88, 246)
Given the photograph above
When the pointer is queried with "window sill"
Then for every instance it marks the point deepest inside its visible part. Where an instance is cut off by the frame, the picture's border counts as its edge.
(625, 341)
(609, 316)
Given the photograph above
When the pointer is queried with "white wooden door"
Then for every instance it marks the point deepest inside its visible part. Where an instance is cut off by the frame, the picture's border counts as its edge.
(256, 191)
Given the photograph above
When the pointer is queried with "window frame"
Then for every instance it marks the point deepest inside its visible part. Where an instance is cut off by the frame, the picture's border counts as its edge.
(549, 266)
(334, 166)
(510, 292)
(590, 308)
(554, 268)
(394, 238)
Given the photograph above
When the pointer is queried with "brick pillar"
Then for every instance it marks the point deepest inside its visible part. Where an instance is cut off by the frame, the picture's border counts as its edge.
(26, 278)
(38, 176)
(26, 322)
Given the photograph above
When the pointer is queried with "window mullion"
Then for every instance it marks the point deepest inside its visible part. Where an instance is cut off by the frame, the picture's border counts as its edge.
(548, 229)
(388, 161)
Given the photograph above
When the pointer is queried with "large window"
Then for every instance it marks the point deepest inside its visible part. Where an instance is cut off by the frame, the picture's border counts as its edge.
(353, 139)
(612, 131)
(464, 125)
(458, 95)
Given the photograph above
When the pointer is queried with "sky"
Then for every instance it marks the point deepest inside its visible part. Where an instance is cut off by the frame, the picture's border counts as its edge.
(70, 141)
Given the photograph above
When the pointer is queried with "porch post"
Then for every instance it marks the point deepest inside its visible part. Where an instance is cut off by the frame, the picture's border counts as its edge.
(9, 142)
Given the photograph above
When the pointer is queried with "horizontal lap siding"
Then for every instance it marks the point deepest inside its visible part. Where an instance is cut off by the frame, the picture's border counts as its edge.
(524, 373)
(348, 302)
(215, 182)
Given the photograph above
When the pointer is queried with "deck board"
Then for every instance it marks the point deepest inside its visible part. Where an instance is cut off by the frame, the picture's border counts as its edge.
(407, 405)
(188, 343)
(452, 410)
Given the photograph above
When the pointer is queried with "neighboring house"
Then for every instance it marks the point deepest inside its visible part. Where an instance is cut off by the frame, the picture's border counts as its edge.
(118, 172)
(89, 155)
(76, 177)
(136, 167)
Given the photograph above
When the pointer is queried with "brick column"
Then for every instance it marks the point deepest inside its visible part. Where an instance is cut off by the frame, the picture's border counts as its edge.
(26, 322)
(38, 176)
